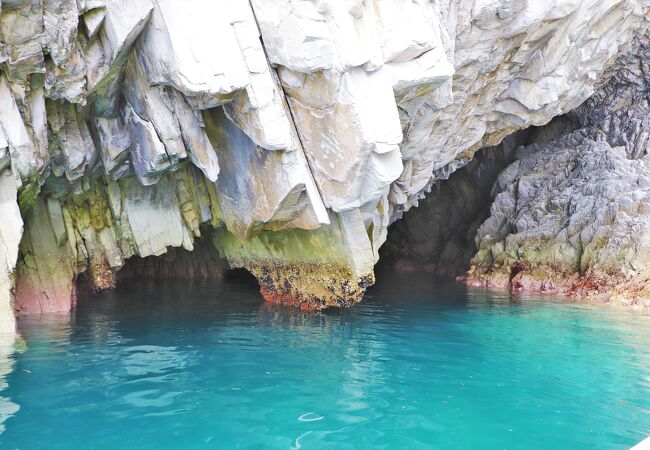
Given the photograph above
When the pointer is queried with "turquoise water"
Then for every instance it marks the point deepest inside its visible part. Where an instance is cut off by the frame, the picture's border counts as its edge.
(420, 364)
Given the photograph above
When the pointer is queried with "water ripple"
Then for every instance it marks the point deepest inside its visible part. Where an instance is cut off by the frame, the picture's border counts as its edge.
(418, 365)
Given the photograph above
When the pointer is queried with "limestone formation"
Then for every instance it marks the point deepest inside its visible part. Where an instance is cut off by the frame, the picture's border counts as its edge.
(10, 232)
(289, 133)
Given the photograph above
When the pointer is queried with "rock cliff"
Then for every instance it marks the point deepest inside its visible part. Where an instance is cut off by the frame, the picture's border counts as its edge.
(572, 215)
(289, 134)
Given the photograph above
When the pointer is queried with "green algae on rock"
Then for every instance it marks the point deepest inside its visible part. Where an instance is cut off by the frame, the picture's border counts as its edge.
(311, 268)
(307, 129)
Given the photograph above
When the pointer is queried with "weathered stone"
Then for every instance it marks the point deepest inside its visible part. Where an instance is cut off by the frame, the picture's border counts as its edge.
(60, 21)
(245, 202)
(21, 29)
(439, 235)
(107, 55)
(26, 160)
(314, 269)
(514, 67)
(45, 280)
(93, 19)
(114, 143)
(10, 234)
(154, 217)
(283, 128)
(206, 73)
(571, 215)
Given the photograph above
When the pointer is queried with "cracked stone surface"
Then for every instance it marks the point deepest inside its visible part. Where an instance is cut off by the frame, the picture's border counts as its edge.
(573, 215)
(310, 128)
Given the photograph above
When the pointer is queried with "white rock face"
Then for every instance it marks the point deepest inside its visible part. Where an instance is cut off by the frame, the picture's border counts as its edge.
(10, 233)
(298, 115)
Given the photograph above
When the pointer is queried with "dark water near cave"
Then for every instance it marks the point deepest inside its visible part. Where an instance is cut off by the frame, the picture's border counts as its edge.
(420, 364)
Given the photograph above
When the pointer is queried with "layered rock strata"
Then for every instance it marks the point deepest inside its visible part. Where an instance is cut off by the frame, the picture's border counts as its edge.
(291, 132)
(573, 215)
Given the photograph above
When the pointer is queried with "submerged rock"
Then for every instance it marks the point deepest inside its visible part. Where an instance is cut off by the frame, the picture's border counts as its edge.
(292, 144)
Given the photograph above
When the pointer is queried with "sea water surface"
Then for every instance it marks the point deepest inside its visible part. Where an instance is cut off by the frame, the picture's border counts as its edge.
(419, 364)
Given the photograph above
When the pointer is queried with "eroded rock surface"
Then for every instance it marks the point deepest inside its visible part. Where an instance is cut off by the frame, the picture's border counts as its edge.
(439, 235)
(10, 233)
(294, 142)
(573, 215)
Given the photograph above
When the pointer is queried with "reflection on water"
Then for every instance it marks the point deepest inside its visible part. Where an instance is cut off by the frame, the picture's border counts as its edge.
(420, 364)
(7, 407)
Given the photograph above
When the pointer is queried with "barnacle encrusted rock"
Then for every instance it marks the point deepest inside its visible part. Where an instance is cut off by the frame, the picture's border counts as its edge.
(131, 126)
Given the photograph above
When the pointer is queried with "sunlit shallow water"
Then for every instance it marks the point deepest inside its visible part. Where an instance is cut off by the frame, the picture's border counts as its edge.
(419, 364)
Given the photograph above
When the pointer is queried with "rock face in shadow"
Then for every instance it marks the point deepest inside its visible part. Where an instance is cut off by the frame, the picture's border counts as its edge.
(201, 264)
(573, 215)
(439, 235)
(291, 145)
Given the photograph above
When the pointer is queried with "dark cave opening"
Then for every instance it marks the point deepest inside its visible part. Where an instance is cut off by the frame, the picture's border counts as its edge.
(438, 236)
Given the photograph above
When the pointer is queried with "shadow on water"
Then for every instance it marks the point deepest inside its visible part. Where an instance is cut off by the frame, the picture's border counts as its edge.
(414, 289)
(427, 290)
(139, 303)
(137, 307)
(237, 292)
